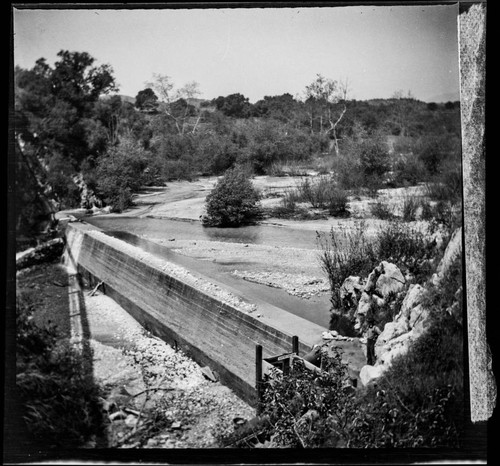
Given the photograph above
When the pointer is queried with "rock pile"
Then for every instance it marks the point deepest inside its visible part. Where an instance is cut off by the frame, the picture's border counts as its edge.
(364, 299)
(301, 285)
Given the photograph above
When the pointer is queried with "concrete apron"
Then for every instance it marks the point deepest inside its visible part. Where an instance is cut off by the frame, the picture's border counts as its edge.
(207, 329)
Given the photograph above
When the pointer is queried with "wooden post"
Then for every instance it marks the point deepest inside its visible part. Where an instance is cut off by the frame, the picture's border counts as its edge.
(258, 377)
(295, 345)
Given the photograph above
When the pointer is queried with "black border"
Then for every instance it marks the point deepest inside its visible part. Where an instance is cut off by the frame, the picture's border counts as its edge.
(17, 449)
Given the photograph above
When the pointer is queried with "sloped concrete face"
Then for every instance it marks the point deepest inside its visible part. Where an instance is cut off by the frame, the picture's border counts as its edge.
(210, 330)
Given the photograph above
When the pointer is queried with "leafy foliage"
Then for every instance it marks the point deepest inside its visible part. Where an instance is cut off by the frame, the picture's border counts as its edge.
(309, 409)
(321, 193)
(233, 201)
(59, 397)
(146, 100)
(345, 253)
(119, 173)
(350, 252)
(408, 248)
(419, 400)
(381, 210)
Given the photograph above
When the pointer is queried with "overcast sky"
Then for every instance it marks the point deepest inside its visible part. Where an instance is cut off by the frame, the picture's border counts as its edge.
(257, 52)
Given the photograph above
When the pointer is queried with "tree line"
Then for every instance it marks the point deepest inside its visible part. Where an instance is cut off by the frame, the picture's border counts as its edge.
(88, 145)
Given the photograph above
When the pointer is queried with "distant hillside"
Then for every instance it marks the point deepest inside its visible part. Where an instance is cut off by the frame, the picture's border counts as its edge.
(445, 97)
(125, 98)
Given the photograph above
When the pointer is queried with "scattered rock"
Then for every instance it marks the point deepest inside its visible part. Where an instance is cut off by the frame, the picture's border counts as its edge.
(209, 374)
(327, 336)
(176, 425)
(117, 416)
(131, 420)
(151, 443)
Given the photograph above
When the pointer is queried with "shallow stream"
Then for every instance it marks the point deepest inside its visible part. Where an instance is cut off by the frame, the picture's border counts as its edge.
(129, 229)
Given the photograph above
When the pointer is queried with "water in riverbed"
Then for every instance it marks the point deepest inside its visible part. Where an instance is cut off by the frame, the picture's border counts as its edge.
(192, 230)
(314, 309)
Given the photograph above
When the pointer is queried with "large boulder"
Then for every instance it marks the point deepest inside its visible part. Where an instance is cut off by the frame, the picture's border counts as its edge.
(387, 351)
(419, 320)
(392, 330)
(412, 299)
(370, 373)
(365, 304)
(390, 280)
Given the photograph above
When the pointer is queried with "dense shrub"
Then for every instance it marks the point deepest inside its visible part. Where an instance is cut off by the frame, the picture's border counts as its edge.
(381, 210)
(347, 171)
(59, 397)
(309, 409)
(410, 249)
(177, 170)
(350, 252)
(217, 153)
(408, 170)
(119, 173)
(418, 402)
(321, 193)
(434, 151)
(233, 201)
(374, 157)
(447, 185)
(60, 174)
(270, 142)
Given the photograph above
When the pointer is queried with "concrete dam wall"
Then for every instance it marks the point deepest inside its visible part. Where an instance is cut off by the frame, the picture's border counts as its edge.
(213, 326)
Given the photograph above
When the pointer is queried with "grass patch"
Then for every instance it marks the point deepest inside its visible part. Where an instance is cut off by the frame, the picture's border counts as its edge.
(345, 253)
(411, 205)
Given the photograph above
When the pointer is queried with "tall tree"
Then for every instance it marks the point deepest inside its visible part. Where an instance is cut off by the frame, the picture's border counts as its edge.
(55, 117)
(57, 102)
(326, 101)
(234, 105)
(146, 100)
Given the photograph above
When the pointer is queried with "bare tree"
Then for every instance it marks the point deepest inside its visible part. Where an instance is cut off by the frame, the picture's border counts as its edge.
(327, 99)
(169, 96)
